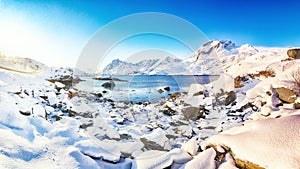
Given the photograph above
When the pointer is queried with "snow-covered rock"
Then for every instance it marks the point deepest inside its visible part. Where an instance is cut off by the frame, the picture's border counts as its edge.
(269, 143)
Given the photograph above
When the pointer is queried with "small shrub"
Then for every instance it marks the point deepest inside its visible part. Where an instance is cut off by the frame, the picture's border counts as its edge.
(296, 80)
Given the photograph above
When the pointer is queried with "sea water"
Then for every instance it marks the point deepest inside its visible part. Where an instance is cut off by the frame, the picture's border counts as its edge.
(142, 88)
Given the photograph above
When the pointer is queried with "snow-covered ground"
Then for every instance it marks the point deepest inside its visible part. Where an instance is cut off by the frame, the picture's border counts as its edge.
(46, 122)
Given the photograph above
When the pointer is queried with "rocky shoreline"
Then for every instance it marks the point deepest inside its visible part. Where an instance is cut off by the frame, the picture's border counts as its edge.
(241, 120)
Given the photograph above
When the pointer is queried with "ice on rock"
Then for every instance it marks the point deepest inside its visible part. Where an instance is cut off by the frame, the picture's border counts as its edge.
(191, 146)
(204, 160)
(158, 136)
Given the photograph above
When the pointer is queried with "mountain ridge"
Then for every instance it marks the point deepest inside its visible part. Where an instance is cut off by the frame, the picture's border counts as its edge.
(211, 58)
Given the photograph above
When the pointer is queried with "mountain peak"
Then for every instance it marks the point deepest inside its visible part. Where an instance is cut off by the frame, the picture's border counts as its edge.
(116, 61)
(220, 44)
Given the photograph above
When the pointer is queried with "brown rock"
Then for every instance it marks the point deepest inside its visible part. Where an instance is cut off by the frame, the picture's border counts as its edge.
(286, 95)
(297, 105)
(294, 53)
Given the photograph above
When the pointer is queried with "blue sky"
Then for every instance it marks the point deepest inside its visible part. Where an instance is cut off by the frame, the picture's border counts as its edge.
(55, 32)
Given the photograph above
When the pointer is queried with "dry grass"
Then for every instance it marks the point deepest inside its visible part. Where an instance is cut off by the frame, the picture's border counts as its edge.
(265, 73)
(295, 78)
(238, 81)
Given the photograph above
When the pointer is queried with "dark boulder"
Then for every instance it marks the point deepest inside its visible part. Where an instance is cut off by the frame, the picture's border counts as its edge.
(168, 111)
(231, 97)
(109, 85)
(167, 89)
(193, 113)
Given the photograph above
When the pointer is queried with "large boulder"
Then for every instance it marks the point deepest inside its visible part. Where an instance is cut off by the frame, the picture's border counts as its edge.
(286, 95)
(193, 113)
(230, 98)
(109, 85)
(294, 53)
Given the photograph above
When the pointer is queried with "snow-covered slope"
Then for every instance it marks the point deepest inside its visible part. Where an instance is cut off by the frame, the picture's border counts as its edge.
(18, 64)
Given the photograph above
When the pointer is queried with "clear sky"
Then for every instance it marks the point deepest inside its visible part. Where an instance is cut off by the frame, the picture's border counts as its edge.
(54, 32)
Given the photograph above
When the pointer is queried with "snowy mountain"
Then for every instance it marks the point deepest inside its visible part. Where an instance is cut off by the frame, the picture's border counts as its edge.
(147, 66)
(212, 57)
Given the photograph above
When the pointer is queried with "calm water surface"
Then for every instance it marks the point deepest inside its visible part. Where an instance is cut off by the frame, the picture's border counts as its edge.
(142, 88)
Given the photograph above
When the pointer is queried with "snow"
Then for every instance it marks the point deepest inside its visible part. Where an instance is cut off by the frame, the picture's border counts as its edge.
(58, 131)
(191, 146)
(59, 85)
(228, 163)
(158, 136)
(160, 159)
(2, 83)
(225, 83)
(99, 149)
(270, 143)
(147, 66)
(204, 160)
